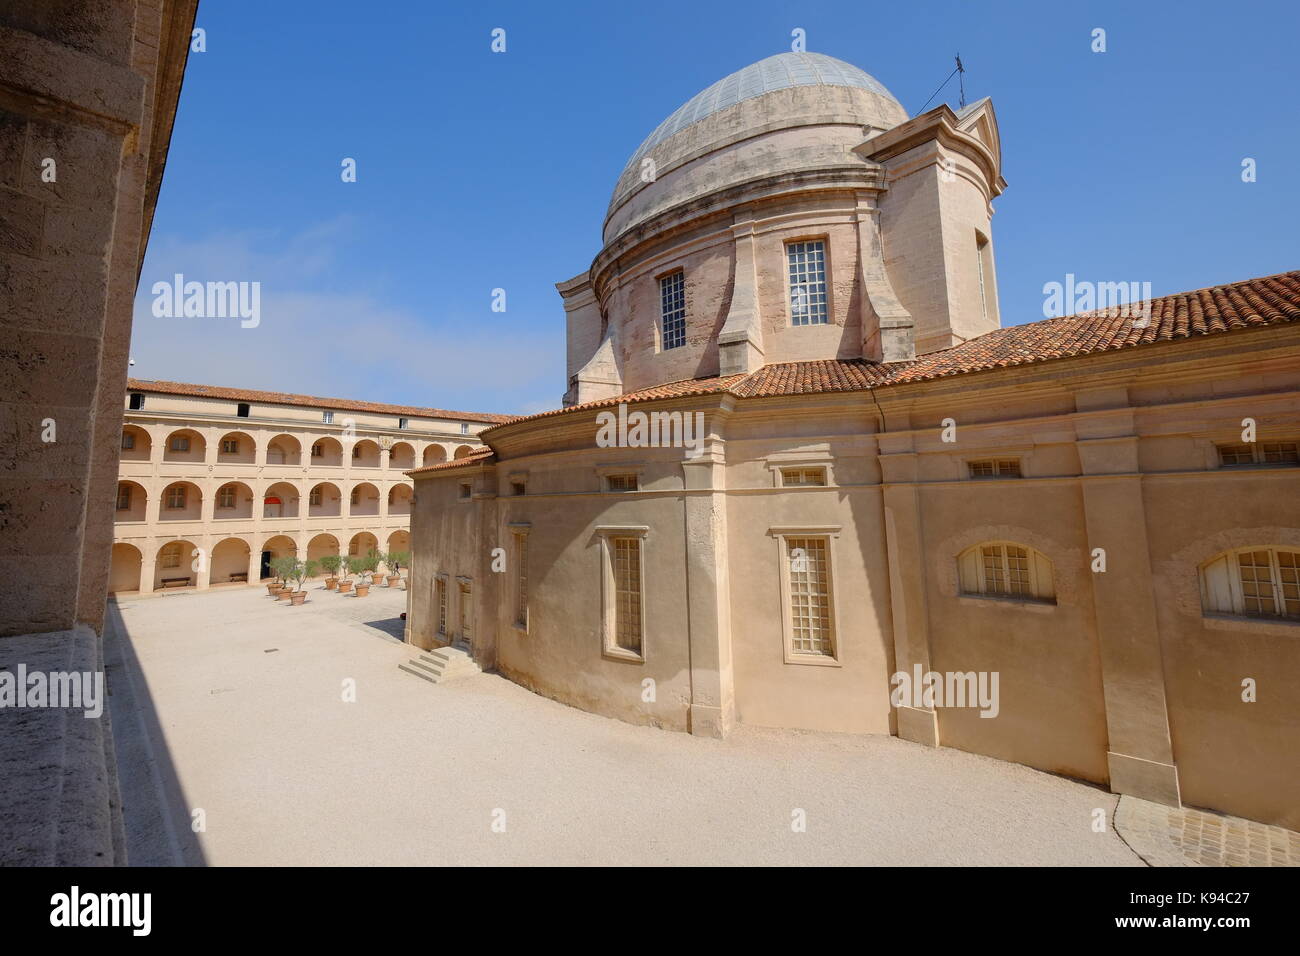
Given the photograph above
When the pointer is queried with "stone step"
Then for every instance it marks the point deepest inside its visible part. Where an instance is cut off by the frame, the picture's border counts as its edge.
(441, 663)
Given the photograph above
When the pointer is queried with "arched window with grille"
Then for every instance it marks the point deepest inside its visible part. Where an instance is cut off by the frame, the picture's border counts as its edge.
(1258, 581)
(1006, 569)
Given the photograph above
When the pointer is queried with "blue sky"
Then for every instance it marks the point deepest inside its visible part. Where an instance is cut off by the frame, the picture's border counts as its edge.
(478, 170)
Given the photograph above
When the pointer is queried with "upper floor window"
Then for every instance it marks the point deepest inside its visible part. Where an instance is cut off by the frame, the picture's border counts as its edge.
(672, 310)
(1253, 582)
(230, 446)
(464, 428)
(803, 477)
(621, 483)
(123, 497)
(403, 422)
(137, 401)
(518, 488)
(356, 451)
(327, 418)
(176, 497)
(226, 496)
(1006, 569)
(179, 443)
(807, 270)
(314, 497)
(465, 489)
(128, 441)
(1259, 453)
(318, 450)
(994, 468)
(241, 410)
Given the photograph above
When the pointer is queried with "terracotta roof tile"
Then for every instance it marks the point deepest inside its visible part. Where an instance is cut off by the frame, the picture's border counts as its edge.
(1253, 303)
(477, 457)
(289, 398)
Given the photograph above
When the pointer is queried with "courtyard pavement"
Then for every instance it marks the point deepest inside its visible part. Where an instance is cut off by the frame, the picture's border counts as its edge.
(232, 704)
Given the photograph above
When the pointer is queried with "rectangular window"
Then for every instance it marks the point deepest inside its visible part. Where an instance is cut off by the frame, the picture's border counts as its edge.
(521, 580)
(137, 401)
(807, 271)
(995, 468)
(1279, 452)
(621, 483)
(440, 591)
(123, 497)
(809, 597)
(465, 490)
(466, 615)
(625, 554)
(230, 446)
(314, 498)
(1259, 453)
(464, 428)
(805, 477)
(327, 418)
(179, 443)
(241, 410)
(518, 488)
(403, 422)
(128, 441)
(980, 243)
(356, 496)
(226, 497)
(672, 310)
(171, 556)
(318, 450)
(356, 452)
(176, 497)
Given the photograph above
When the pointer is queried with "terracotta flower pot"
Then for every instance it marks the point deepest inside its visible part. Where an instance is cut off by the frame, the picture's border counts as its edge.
(363, 590)
(283, 593)
(331, 584)
(394, 580)
(297, 597)
(272, 588)
(344, 587)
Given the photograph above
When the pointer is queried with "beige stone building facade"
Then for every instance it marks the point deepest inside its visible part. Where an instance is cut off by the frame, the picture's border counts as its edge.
(800, 466)
(216, 482)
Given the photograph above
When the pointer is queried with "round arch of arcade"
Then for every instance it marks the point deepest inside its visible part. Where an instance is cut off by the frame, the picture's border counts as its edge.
(227, 444)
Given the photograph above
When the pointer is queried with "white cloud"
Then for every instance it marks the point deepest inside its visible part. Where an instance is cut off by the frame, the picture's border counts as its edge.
(349, 345)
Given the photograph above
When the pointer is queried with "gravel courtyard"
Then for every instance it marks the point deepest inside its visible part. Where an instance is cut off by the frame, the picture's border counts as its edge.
(231, 704)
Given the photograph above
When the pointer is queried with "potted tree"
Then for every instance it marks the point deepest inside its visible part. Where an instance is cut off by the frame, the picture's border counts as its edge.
(396, 561)
(359, 567)
(276, 582)
(345, 569)
(302, 570)
(330, 565)
(284, 568)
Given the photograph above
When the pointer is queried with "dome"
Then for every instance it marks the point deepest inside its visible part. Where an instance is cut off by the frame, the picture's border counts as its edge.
(784, 91)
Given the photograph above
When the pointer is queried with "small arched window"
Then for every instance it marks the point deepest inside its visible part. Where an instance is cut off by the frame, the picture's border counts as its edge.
(1007, 570)
(1252, 582)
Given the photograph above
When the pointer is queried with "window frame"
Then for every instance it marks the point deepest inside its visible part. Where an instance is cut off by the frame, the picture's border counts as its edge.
(171, 492)
(123, 487)
(677, 334)
(1035, 560)
(1258, 453)
(440, 603)
(995, 463)
(1236, 585)
(519, 590)
(610, 648)
(782, 536)
(232, 488)
(788, 248)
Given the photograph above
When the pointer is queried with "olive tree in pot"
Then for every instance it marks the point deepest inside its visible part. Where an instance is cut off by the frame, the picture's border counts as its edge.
(345, 570)
(330, 565)
(396, 561)
(302, 570)
(283, 568)
(359, 567)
